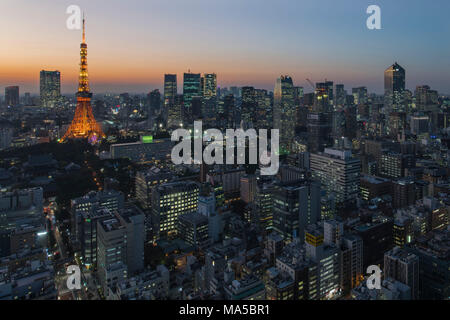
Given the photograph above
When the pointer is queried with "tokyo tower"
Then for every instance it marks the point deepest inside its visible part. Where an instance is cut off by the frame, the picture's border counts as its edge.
(83, 124)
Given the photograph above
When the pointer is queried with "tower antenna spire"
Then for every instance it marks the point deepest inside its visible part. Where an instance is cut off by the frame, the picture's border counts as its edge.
(84, 30)
(83, 124)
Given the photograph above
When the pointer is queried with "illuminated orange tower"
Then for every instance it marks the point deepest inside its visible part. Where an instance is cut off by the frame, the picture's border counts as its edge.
(83, 124)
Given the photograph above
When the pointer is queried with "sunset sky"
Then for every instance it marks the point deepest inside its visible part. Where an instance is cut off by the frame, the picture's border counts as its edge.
(132, 43)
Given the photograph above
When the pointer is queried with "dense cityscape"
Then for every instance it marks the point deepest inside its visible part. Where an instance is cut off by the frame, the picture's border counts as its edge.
(88, 180)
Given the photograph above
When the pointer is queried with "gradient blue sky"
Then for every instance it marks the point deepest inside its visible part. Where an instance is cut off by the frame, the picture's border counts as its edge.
(132, 43)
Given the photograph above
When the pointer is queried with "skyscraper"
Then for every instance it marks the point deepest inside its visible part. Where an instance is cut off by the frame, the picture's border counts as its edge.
(264, 110)
(170, 92)
(228, 111)
(170, 88)
(359, 95)
(209, 93)
(154, 101)
(341, 95)
(191, 88)
(50, 88)
(319, 131)
(248, 107)
(210, 85)
(394, 87)
(425, 97)
(175, 112)
(284, 111)
(323, 97)
(339, 173)
(12, 96)
(295, 205)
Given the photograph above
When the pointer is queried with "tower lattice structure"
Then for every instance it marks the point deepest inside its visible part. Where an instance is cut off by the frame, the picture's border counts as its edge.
(83, 124)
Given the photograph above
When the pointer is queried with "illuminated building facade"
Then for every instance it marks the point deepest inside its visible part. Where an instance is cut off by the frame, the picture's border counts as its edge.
(191, 88)
(284, 111)
(50, 88)
(169, 201)
(394, 87)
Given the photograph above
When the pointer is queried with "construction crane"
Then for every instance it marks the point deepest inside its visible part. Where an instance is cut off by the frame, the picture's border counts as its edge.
(311, 83)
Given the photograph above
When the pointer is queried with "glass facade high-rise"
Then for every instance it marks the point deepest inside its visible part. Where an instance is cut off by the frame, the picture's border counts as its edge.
(170, 91)
(394, 87)
(248, 107)
(175, 112)
(154, 102)
(191, 88)
(209, 94)
(50, 88)
(284, 111)
(209, 85)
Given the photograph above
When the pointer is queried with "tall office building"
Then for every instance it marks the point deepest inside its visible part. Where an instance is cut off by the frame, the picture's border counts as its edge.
(264, 205)
(193, 229)
(324, 281)
(377, 239)
(175, 112)
(352, 262)
(323, 97)
(403, 266)
(339, 173)
(120, 246)
(229, 111)
(295, 205)
(170, 89)
(87, 234)
(248, 107)
(394, 87)
(50, 88)
(209, 98)
(248, 188)
(209, 85)
(12, 96)
(351, 253)
(284, 111)
(145, 182)
(154, 102)
(425, 98)
(341, 95)
(298, 95)
(21, 213)
(264, 110)
(191, 88)
(319, 131)
(434, 264)
(359, 95)
(6, 133)
(169, 201)
(110, 200)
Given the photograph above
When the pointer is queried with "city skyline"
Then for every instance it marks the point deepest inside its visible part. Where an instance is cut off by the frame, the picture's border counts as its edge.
(123, 61)
(233, 151)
